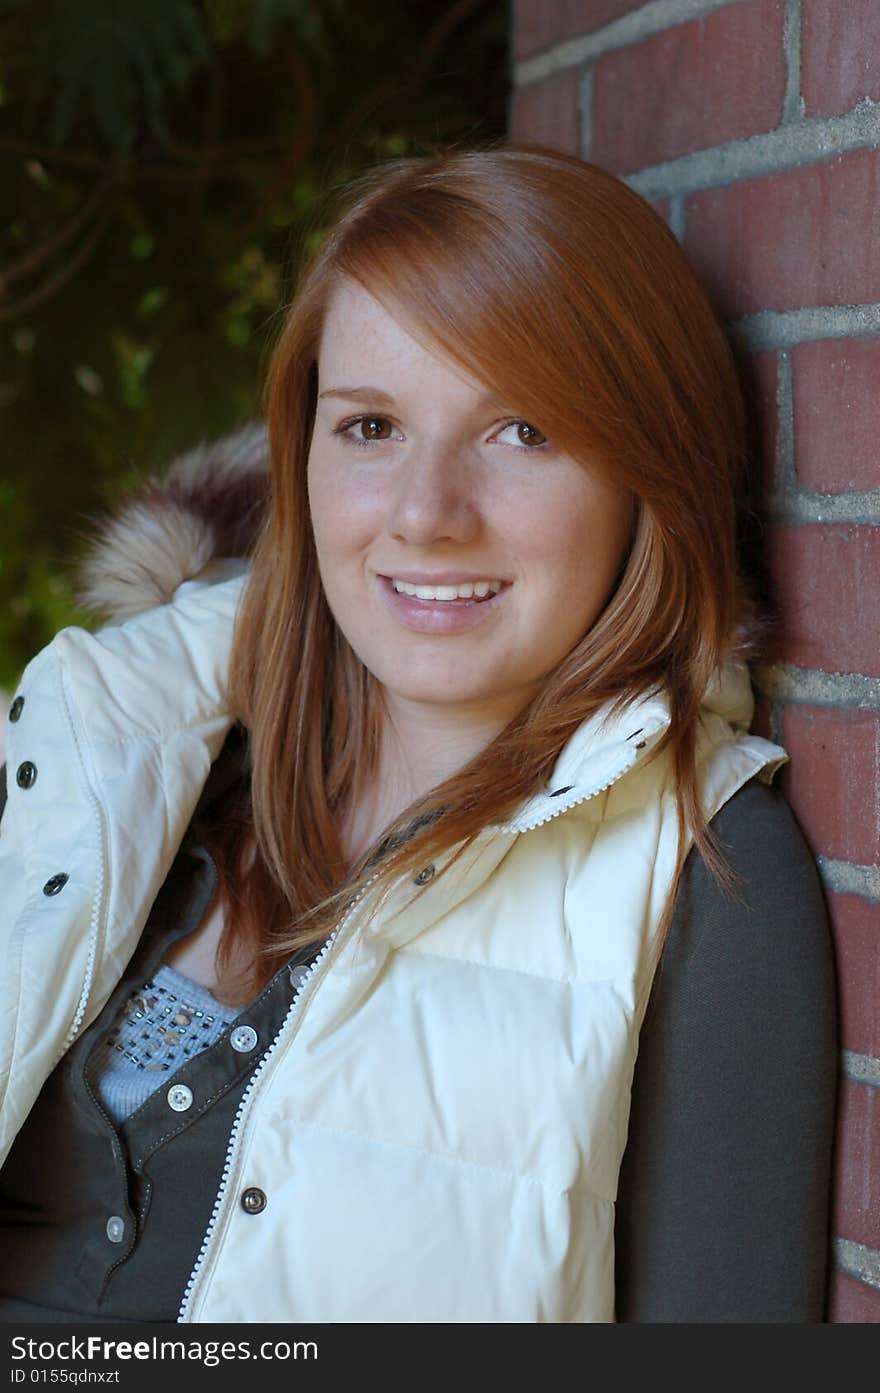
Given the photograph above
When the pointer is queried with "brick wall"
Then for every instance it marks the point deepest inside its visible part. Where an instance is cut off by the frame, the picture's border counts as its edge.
(754, 127)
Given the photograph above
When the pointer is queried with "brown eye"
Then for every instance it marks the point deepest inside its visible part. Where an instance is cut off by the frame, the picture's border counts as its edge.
(528, 434)
(523, 436)
(375, 427)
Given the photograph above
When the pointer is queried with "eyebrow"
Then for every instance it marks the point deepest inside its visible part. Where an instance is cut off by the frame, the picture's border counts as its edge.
(358, 394)
(376, 394)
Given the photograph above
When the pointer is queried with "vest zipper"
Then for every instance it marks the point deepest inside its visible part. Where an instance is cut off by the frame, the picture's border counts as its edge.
(618, 773)
(235, 1132)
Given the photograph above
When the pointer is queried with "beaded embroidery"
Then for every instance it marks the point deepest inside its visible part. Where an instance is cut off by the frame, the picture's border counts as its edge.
(157, 1028)
(163, 1024)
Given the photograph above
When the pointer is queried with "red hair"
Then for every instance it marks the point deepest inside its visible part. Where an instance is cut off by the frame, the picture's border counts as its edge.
(564, 292)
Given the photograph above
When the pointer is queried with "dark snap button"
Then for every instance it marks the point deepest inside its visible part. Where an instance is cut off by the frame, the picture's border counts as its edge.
(253, 1200)
(55, 883)
(16, 708)
(26, 775)
(641, 744)
(424, 875)
(557, 792)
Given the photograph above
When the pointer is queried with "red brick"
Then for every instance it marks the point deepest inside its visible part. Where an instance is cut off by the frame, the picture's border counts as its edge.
(826, 587)
(539, 23)
(687, 88)
(840, 55)
(833, 780)
(852, 1302)
(806, 236)
(857, 1164)
(837, 413)
(548, 112)
(856, 926)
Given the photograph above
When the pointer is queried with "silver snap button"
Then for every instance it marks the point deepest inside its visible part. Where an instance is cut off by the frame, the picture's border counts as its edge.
(243, 1038)
(180, 1097)
(16, 708)
(253, 1200)
(115, 1228)
(424, 875)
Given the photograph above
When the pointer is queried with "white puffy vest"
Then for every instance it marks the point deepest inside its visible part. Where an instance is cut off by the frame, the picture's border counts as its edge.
(438, 1127)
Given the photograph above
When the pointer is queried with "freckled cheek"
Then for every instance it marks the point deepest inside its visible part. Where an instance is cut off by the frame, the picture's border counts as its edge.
(345, 520)
(576, 551)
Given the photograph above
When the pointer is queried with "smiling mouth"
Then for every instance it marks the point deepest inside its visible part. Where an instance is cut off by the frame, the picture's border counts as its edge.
(467, 592)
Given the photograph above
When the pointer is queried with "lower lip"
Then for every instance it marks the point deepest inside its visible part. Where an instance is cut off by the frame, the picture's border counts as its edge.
(440, 616)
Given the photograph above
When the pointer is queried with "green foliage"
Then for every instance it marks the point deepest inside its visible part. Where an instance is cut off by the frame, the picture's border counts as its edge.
(161, 163)
(312, 24)
(117, 64)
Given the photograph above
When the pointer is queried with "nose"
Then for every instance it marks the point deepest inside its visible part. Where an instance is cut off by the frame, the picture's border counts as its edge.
(434, 499)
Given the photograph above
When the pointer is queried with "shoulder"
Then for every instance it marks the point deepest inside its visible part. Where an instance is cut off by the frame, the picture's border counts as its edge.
(746, 982)
(775, 922)
(755, 826)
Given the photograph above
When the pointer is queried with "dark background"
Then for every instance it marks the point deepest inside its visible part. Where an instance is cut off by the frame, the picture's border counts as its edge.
(161, 163)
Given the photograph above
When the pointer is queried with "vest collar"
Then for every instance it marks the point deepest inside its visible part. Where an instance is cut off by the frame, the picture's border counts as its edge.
(605, 746)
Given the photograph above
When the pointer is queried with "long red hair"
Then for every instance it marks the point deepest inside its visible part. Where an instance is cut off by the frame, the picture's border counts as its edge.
(563, 291)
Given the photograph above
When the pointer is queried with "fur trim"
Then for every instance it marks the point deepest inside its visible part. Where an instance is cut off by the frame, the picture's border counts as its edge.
(209, 503)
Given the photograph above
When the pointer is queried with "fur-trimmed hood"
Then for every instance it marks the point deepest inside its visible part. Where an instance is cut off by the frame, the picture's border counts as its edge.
(208, 504)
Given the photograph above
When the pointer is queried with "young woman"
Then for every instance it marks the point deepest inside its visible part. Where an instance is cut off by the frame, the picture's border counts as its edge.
(338, 867)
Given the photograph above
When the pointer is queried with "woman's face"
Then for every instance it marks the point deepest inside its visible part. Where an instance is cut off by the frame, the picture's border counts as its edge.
(418, 478)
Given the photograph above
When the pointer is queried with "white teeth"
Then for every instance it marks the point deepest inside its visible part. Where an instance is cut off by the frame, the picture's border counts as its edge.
(465, 591)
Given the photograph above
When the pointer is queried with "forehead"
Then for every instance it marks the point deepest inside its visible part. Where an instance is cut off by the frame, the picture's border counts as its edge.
(362, 340)
(357, 324)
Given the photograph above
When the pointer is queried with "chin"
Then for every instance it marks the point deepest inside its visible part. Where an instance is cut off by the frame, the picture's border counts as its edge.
(430, 690)
(430, 694)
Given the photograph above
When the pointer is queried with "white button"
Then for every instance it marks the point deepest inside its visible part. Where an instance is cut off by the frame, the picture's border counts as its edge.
(243, 1038)
(115, 1228)
(180, 1097)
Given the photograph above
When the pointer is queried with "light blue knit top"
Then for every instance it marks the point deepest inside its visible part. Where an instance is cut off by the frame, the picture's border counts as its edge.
(161, 1025)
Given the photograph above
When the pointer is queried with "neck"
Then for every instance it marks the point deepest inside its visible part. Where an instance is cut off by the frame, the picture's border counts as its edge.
(421, 746)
